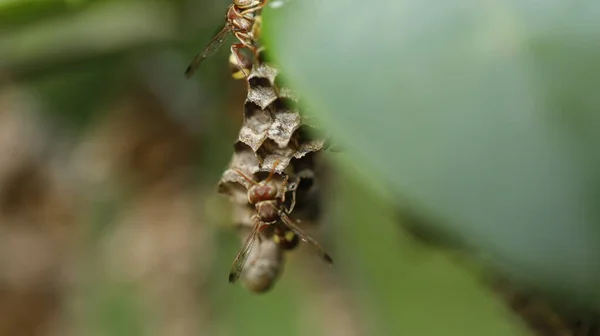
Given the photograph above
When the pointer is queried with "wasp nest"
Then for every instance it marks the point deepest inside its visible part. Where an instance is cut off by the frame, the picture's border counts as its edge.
(274, 138)
(273, 127)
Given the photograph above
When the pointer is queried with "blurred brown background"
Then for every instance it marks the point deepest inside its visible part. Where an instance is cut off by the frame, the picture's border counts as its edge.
(110, 223)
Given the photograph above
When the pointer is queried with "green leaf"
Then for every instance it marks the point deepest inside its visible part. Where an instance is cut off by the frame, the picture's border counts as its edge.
(410, 289)
(77, 35)
(482, 114)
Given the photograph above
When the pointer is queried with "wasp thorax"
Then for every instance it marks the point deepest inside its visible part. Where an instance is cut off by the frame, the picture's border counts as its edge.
(267, 211)
(262, 192)
(232, 14)
(246, 3)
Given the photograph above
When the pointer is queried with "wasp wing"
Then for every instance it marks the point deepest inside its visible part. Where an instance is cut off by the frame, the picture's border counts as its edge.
(304, 236)
(210, 49)
(242, 256)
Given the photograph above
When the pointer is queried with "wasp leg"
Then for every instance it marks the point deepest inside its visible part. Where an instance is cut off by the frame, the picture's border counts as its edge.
(284, 185)
(294, 190)
(235, 50)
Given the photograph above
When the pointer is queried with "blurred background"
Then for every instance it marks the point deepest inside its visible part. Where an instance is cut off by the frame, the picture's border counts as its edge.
(110, 223)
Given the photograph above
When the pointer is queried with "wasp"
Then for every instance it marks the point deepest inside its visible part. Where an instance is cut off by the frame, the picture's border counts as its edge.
(243, 21)
(271, 212)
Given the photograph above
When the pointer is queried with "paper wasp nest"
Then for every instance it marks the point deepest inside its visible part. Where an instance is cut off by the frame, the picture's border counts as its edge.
(273, 131)
(273, 127)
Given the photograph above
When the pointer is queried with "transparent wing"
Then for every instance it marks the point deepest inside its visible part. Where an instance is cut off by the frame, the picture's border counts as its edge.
(210, 49)
(240, 259)
(310, 240)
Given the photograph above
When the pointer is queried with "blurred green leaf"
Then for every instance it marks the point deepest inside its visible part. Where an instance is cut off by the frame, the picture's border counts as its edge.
(16, 12)
(484, 114)
(104, 28)
(410, 289)
(72, 97)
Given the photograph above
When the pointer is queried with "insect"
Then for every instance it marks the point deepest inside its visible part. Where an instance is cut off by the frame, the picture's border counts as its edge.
(262, 273)
(271, 212)
(243, 21)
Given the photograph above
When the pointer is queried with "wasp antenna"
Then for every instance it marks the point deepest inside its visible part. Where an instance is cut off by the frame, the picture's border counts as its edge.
(245, 177)
(272, 172)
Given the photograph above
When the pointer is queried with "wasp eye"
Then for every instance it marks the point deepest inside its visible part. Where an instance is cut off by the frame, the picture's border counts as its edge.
(253, 196)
